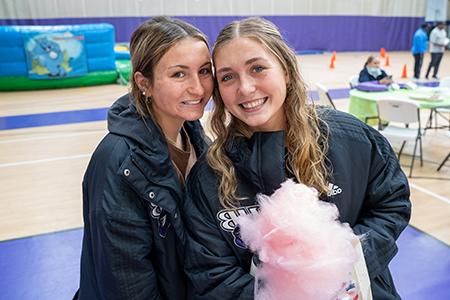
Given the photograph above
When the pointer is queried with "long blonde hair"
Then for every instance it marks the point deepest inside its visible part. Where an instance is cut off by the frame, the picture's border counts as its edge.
(306, 144)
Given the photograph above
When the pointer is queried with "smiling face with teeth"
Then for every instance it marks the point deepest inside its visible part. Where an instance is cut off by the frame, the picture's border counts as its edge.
(182, 84)
(252, 84)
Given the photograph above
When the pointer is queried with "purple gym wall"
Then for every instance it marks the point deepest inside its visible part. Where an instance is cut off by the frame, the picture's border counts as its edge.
(322, 33)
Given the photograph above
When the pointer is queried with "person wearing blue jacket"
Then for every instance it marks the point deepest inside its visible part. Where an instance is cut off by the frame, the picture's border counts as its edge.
(266, 132)
(419, 47)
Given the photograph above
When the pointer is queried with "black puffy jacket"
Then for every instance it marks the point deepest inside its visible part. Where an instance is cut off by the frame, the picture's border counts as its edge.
(367, 185)
(133, 236)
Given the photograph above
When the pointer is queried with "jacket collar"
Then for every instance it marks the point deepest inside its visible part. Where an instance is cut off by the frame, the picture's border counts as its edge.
(260, 159)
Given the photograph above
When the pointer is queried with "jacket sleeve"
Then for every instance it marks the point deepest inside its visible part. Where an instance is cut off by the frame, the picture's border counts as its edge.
(121, 241)
(386, 209)
(211, 266)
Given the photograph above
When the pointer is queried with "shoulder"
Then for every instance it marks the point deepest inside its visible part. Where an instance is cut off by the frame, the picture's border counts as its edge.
(110, 149)
(347, 133)
(364, 75)
(105, 163)
(106, 191)
(339, 122)
(343, 126)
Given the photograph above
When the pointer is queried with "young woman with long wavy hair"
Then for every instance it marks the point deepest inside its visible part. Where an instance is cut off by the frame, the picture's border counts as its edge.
(266, 132)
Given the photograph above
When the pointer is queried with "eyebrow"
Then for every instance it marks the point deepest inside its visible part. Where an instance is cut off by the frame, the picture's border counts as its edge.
(186, 67)
(248, 62)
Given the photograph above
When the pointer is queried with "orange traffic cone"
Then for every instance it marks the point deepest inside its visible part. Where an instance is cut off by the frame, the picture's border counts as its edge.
(382, 53)
(387, 61)
(333, 58)
(404, 72)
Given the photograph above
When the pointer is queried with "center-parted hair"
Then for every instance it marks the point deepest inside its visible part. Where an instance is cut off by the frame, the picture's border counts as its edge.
(149, 42)
(305, 143)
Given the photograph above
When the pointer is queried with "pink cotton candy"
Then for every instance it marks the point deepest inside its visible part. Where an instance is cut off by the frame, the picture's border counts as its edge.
(306, 253)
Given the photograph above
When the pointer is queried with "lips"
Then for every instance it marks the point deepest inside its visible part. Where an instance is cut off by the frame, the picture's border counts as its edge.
(253, 105)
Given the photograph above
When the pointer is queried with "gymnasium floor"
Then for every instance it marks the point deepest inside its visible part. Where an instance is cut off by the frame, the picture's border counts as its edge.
(47, 137)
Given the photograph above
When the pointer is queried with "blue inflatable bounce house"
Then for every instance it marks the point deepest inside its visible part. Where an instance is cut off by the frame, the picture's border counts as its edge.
(43, 57)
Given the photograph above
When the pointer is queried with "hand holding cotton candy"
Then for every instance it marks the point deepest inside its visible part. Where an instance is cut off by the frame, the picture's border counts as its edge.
(306, 253)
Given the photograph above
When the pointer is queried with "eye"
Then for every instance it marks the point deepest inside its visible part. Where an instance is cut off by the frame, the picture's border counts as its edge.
(178, 75)
(258, 69)
(226, 78)
(205, 71)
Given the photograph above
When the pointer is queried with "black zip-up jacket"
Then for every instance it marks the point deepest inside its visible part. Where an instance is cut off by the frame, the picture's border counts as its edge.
(133, 235)
(367, 185)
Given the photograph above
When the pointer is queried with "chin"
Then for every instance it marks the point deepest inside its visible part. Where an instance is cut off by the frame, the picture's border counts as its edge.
(193, 117)
(255, 124)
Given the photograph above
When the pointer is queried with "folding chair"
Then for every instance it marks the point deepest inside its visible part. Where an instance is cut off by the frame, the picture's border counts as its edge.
(445, 159)
(406, 112)
(443, 112)
(324, 96)
(353, 81)
(445, 82)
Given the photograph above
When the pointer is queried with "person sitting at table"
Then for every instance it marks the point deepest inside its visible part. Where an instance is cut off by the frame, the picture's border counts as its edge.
(373, 72)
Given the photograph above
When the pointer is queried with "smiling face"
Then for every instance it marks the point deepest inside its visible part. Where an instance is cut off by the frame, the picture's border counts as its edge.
(182, 83)
(252, 84)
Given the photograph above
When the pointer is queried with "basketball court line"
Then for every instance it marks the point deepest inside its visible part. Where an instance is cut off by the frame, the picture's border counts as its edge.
(38, 161)
(430, 193)
(47, 137)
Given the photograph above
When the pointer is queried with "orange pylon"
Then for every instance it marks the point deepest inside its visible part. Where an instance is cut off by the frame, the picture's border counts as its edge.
(404, 75)
(387, 61)
(382, 53)
(333, 58)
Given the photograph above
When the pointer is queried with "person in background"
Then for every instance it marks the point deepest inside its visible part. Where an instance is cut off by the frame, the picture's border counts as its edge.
(419, 47)
(373, 72)
(438, 42)
(133, 236)
(266, 132)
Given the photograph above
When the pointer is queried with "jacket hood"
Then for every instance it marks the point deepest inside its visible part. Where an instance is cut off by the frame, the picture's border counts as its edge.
(124, 120)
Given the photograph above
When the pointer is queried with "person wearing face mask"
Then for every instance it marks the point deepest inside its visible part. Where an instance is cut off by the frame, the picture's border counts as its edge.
(373, 72)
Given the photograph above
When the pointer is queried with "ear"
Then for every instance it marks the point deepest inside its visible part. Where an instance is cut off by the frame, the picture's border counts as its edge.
(143, 83)
(287, 78)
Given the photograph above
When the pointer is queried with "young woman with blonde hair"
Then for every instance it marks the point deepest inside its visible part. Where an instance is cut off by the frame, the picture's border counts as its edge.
(265, 132)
